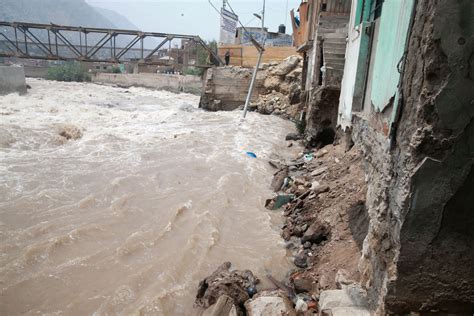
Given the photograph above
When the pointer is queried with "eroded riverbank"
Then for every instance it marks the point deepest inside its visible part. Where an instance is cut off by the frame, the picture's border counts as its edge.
(149, 199)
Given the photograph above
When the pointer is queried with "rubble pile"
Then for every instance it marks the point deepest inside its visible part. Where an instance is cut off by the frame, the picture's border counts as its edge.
(282, 89)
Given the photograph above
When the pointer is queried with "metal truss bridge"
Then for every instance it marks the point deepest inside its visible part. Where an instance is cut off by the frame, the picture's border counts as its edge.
(58, 42)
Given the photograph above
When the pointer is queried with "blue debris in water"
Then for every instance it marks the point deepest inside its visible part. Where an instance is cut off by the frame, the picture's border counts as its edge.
(251, 154)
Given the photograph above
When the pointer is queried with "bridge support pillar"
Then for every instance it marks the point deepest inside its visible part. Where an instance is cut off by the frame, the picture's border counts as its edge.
(12, 79)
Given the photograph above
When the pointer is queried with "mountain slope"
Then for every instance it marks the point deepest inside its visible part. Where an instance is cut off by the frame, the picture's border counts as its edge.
(62, 12)
(117, 19)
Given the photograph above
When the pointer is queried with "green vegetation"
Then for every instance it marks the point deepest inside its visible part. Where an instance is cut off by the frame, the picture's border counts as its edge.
(202, 58)
(70, 71)
(300, 126)
(116, 70)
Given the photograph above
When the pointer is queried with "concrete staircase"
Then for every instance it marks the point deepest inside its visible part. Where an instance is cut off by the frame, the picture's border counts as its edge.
(332, 31)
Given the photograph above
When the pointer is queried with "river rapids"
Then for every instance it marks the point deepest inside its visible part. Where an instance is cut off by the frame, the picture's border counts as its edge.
(119, 201)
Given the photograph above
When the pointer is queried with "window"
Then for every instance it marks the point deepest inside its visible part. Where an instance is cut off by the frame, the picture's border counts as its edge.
(378, 9)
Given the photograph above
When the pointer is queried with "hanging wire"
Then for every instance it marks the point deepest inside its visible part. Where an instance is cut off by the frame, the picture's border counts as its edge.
(238, 20)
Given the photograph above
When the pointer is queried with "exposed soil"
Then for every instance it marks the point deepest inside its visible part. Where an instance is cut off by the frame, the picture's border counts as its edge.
(325, 223)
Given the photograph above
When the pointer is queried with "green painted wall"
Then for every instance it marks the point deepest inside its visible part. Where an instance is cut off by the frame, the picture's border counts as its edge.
(390, 46)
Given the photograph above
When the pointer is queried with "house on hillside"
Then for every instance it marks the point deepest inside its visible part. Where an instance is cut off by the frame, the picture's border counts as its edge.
(319, 34)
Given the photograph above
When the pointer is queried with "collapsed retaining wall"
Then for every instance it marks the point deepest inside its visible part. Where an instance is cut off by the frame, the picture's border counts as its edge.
(419, 250)
(277, 88)
(226, 88)
(12, 79)
(175, 83)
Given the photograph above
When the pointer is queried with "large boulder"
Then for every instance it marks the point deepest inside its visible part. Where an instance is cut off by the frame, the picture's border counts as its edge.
(238, 285)
(224, 307)
(286, 66)
(316, 233)
(270, 303)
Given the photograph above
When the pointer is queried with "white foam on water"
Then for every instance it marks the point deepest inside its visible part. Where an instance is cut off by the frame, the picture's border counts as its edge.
(119, 201)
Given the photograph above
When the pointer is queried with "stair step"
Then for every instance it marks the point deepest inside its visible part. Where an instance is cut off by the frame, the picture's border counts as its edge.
(334, 18)
(330, 50)
(328, 42)
(329, 45)
(330, 60)
(335, 66)
(334, 56)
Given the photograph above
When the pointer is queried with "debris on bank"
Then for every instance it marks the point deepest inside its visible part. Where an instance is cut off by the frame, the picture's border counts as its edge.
(325, 222)
(323, 204)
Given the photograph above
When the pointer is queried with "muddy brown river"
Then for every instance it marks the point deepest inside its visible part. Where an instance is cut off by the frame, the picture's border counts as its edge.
(147, 197)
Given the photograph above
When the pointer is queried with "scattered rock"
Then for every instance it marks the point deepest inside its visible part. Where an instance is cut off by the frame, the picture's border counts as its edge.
(292, 136)
(319, 171)
(320, 189)
(235, 284)
(301, 260)
(279, 179)
(316, 233)
(300, 181)
(315, 185)
(302, 283)
(320, 153)
(342, 279)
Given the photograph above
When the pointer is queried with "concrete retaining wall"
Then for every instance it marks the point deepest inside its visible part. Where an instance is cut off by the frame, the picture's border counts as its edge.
(12, 79)
(227, 87)
(175, 83)
(36, 72)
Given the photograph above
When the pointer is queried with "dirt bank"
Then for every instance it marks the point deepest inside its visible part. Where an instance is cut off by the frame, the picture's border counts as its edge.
(322, 198)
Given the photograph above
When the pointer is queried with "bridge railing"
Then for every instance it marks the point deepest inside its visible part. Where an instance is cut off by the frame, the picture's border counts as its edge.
(59, 42)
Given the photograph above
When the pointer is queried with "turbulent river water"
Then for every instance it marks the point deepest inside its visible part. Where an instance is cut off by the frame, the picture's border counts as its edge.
(125, 217)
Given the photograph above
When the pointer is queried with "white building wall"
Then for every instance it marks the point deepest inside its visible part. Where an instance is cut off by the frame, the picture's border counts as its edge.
(350, 71)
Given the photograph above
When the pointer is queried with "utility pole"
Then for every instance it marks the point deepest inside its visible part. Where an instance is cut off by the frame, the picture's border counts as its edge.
(261, 49)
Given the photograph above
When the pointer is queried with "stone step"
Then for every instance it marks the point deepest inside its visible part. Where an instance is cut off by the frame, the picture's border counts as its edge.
(338, 36)
(333, 25)
(336, 46)
(335, 66)
(334, 61)
(334, 18)
(331, 55)
(335, 40)
(338, 51)
(333, 33)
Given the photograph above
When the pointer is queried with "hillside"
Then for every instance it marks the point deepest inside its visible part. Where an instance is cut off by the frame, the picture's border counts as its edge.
(63, 12)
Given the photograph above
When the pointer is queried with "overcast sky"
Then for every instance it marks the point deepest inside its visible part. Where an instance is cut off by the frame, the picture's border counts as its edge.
(196, 17)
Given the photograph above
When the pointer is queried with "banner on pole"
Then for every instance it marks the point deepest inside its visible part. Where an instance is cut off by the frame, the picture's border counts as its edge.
(228, 27)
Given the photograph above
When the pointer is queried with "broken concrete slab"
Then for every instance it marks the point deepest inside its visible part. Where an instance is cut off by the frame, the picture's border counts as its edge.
(348, 301)
(268, 304)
